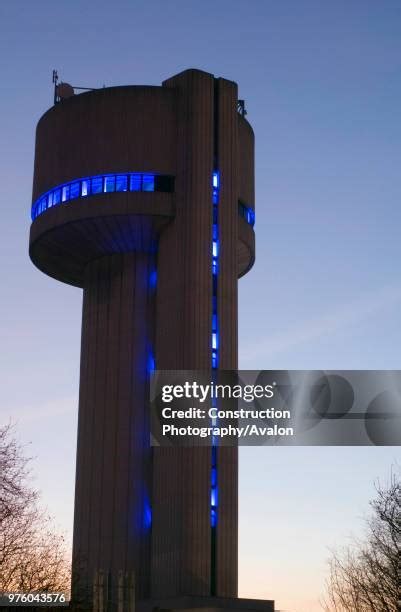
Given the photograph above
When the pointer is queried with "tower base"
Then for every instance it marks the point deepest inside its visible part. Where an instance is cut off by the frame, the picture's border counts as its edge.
(205, 604)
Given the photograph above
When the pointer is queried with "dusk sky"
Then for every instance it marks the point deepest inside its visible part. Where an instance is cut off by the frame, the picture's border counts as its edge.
(322, 85)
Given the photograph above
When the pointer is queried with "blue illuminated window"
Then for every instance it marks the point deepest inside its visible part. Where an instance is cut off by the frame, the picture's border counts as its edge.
(75, 190)
(84, 188)
(246, 213)
(65, 193)
(250, 217)
(109, 184)
(121, 182)
(215, 187)
(56, 197)
(135, 182)
(97, 184)
(148, 182)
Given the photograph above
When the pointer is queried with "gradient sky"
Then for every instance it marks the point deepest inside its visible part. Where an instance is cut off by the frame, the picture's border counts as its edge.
(322, 87)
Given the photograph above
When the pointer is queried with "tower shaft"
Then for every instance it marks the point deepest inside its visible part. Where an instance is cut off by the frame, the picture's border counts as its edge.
(113, 486)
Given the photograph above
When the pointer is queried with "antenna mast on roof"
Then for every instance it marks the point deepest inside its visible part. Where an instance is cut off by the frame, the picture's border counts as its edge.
(55, 81)
(63, 91)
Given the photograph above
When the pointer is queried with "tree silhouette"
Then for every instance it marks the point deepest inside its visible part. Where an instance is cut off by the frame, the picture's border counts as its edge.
(366, 576)
(32, 552)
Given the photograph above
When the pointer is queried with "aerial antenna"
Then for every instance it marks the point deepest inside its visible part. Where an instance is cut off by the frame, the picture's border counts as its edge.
(62, 90)
(55, 81)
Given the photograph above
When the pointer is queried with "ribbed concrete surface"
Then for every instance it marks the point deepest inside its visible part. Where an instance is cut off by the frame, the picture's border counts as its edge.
(113, 469)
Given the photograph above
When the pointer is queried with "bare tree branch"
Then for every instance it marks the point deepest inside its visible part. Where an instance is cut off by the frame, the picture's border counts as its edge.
(365, 577)
(32, 553)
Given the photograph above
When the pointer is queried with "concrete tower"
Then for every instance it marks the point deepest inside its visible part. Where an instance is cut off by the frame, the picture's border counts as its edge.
(144, 197)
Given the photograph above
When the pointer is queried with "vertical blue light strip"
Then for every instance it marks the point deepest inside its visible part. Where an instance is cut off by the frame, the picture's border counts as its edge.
(150, 368)
(214, 338)
(147, 508)
(151, 363)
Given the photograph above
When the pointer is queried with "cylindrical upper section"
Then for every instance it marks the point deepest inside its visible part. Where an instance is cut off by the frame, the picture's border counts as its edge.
(84, 207)
(110, 130)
